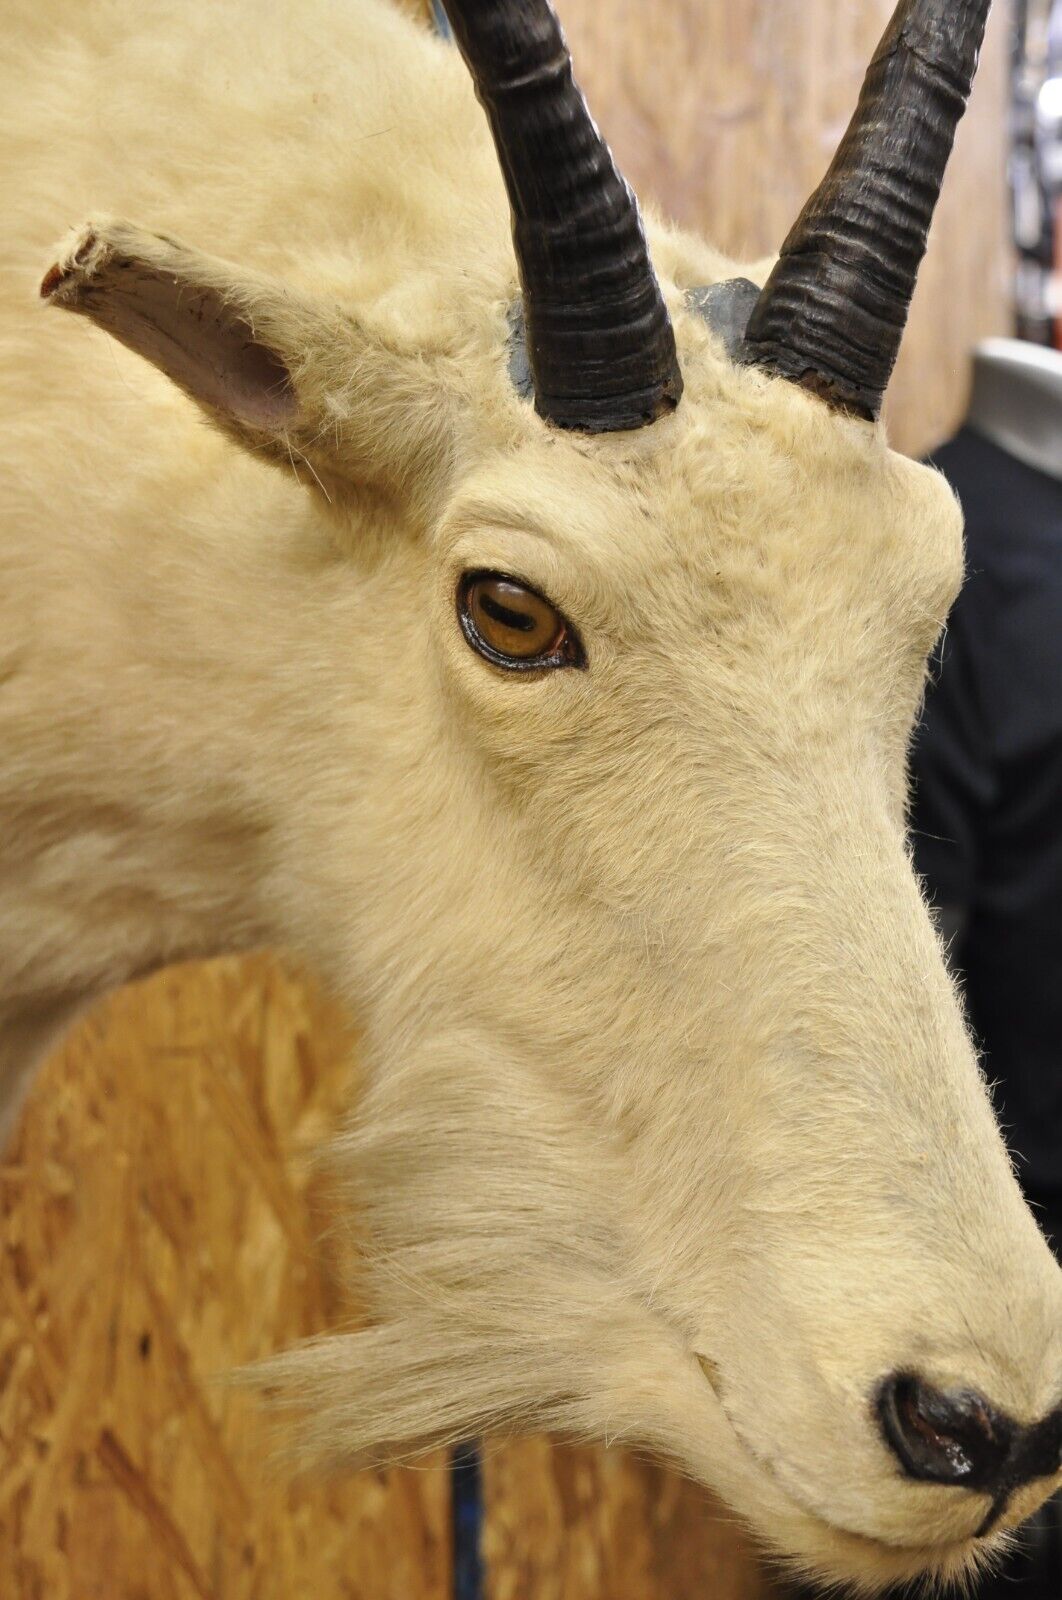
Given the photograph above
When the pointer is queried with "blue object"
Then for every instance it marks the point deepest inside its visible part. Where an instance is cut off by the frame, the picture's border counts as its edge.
(442, 21)
(466, 1511)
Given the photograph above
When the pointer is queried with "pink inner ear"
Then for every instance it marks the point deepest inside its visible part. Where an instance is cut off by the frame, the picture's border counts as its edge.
(188, 330)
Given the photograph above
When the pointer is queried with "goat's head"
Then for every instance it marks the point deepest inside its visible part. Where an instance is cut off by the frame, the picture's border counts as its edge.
(676, 1135)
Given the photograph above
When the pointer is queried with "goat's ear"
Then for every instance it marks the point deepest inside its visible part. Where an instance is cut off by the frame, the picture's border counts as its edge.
(289, 375)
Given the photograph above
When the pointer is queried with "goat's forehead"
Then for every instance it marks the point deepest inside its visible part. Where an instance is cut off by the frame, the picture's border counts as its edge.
(750, 468)
(747, 458)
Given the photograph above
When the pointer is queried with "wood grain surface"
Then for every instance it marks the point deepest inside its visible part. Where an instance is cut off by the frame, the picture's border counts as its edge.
(568, 1523)
(726, 116)
(161, 1223)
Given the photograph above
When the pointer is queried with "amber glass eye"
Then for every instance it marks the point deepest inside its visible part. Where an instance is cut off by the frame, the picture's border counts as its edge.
(514, 626)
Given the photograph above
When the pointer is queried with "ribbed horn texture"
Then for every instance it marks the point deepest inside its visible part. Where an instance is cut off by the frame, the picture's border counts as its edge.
(832, 314)
(599, 339)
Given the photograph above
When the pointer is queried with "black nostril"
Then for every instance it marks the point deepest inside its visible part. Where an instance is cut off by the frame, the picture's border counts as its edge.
(946, 1438)
(959, 1438)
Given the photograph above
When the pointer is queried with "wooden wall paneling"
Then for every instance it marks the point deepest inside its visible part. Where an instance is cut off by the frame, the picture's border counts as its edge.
(161, 1225)
(726, 116)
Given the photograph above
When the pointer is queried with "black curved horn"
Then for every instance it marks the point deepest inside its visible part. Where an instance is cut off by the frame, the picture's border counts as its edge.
(599, 340)
(833, 312)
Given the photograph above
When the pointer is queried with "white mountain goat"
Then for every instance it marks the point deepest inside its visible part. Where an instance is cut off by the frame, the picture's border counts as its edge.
(552, 701)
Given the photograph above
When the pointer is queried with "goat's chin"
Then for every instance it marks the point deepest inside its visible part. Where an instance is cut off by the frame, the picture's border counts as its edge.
(387, 1393)
(794, 1536)
(852, 1564)
(806, 1545)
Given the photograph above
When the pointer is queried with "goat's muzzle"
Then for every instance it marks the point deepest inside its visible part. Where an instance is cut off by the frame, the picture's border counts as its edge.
(959, 1438)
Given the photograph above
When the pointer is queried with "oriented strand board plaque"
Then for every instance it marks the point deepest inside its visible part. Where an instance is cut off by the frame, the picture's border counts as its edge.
(568, 1523)
(161, 1225)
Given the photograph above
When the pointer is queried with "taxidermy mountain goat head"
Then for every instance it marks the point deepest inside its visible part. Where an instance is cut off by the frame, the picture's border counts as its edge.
(552, 701)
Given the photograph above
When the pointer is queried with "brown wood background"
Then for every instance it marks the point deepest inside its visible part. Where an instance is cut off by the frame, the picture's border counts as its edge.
(160, 1220)
(726, 114)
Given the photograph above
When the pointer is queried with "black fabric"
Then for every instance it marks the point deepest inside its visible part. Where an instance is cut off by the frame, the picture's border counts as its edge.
(987, 812)
(987, 829)
(987, 832)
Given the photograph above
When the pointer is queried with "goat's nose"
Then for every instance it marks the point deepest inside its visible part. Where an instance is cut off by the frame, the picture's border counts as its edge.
(960, 1438)
(945, 1438)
